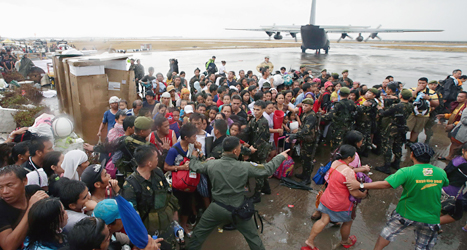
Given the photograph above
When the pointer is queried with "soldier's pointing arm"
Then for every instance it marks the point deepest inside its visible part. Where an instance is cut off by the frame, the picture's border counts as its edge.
(261, 170)
(199, 166)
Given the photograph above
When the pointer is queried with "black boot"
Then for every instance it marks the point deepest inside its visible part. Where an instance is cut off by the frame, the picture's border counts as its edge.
(257, 197)
(396, 164)
(266, 188)
(384, 169)
(306, 181)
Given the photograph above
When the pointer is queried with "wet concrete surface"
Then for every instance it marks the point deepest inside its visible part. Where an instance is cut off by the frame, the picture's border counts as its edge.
(287, 228)
(367, 64)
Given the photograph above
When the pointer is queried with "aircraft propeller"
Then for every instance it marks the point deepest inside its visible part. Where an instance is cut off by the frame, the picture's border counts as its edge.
(374, 35)
(343, 36)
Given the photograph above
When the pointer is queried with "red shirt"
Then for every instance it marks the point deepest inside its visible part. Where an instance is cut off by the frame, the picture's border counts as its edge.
(336, 195)
(219, 102)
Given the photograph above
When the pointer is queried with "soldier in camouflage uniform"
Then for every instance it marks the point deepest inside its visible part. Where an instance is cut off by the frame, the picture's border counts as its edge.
(322, 77)
(123, 158)
(220, 131)
(258, 136)
(342, 115)
(394, 130)
(366, 123)
(433, 85)
(307, 135)
(389, 99)
(345, 80)
(148, 191)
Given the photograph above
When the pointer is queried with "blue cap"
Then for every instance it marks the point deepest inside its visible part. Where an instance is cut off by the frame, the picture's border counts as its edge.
(107, 210)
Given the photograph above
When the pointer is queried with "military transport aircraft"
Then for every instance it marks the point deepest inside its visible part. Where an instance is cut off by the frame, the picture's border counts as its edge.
(315, 36)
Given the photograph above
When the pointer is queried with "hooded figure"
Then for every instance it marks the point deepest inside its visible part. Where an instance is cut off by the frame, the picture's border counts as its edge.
(73, 159)
(25, 65)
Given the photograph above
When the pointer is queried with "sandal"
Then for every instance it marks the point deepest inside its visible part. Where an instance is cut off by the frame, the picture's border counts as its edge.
(442, 158)
(308, 248)
(315, 217)
(463, 228)
(353, 239)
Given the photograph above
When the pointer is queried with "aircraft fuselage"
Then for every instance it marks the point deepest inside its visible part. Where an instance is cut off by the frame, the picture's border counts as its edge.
(314, 37)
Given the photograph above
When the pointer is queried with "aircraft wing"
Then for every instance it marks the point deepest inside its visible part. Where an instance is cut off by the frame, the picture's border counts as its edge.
(353, 30)
(273, 29)
(296, 28)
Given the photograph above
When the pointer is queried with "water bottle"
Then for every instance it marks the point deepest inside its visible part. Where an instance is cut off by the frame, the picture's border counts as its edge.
(179, 232)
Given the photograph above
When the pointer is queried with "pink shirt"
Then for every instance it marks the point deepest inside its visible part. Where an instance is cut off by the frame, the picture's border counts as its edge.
(336, 195)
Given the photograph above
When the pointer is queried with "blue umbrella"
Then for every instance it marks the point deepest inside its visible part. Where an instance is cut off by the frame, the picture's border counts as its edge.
(132, 223)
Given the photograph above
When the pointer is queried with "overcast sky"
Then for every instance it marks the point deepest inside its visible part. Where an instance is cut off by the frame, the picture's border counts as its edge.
(209, 18)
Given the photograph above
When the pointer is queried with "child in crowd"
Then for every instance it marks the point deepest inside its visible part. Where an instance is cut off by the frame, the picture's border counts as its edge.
(123, 105)
(117, 131)
(183, 104)
(212, 114)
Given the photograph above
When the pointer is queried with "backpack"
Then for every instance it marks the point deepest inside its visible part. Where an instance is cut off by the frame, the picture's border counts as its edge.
(319, 176)
(285, 169)
(184, 180)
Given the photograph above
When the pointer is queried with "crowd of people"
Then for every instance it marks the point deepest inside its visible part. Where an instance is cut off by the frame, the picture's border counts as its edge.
(198, 153)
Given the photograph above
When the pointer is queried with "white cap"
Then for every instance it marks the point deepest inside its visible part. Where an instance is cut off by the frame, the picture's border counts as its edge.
(114, 99)
(188, 109)
(166, 95)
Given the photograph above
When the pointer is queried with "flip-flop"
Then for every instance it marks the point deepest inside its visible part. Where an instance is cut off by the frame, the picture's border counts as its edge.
(442, 158)
(463, 228)
(315, 217)
(308, 248)
(353, 239)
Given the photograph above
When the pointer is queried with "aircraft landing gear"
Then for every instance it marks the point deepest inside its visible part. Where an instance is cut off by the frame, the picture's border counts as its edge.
(303, 49)
(318, 51)
(326, 50)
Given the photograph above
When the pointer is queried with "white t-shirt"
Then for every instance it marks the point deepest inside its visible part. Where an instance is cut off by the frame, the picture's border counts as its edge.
(270, 123)
(222, 69)
(38, 177)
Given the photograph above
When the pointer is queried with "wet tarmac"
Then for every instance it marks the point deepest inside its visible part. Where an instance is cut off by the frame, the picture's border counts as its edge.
(366, 63)
(287, 227)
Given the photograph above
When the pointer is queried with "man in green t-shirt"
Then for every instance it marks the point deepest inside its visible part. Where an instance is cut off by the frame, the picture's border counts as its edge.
(419, 207)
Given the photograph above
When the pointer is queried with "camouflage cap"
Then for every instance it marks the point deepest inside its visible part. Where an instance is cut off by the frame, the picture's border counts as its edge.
(309, 101)
(374, 91)
(433, 82)
(345, 91)
(266, 85)
(345, 71)
(406, 94)
(335, 75)
(143, 123)
(324, 70)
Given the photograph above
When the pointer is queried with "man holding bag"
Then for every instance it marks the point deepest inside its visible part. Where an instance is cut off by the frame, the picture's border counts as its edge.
(228, 177)
(177, 161)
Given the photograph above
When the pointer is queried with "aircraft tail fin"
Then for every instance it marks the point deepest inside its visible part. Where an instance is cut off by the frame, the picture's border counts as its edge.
(313, 12)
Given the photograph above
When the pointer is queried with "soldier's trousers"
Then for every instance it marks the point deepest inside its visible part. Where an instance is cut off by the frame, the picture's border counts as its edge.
(392, 144)
(306, 159)
(259, 180)
(429, 129)
(216, 215)
(337, 136)
(365, 129)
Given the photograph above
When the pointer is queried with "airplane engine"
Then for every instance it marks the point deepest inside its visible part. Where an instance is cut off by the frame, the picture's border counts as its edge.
(278, 36)
(359, 38)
